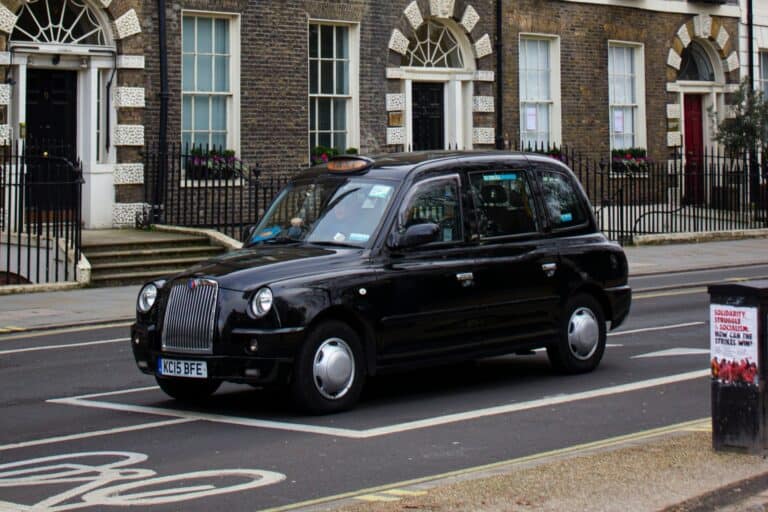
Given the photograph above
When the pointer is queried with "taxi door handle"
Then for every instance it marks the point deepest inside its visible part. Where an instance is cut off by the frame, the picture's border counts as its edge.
(465, 276)
(549, 268)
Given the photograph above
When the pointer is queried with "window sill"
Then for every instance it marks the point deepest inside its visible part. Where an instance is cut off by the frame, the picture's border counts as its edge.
(210, 183)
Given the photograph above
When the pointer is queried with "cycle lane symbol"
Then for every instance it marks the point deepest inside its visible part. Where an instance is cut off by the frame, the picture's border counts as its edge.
(103, 478)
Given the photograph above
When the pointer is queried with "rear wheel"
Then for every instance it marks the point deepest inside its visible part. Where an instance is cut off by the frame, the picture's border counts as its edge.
(328, 373)
(188, 390)
(581, 342)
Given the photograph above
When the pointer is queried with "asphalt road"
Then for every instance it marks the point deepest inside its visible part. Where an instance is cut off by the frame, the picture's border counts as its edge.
(81, 426)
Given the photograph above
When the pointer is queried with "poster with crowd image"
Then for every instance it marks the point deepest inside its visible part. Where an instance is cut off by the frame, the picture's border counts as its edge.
(733, 339)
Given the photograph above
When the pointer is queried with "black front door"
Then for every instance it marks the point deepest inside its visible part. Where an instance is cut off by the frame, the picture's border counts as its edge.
(52, 112)
(427, 116)
(50, 146)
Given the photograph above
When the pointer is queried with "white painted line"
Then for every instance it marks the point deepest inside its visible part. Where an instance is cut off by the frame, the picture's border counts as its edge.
(674, 352)
(607, 345)
(391, 429)
(95, 433)
(658, 328)
(69, 345)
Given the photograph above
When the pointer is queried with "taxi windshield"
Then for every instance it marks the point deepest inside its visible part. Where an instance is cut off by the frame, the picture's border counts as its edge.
(327, 210)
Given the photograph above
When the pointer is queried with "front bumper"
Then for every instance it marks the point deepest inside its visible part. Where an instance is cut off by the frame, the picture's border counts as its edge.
(231, 360)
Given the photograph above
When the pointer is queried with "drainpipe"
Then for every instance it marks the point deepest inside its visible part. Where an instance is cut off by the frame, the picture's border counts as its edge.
(499, 77)
(162, 170)
(754, 179)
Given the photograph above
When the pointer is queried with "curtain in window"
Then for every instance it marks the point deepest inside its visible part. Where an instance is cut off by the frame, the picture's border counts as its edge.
(622, 96)
(205, 81)
(535, 92)
(329, 92)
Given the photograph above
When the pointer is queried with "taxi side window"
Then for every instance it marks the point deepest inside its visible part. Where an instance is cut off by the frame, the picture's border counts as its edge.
(435, 201)
(503, 203)
(561, 201)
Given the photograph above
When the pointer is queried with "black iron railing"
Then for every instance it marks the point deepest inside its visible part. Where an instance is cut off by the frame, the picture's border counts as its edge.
(705, 191)
(40, 216)
(205, 187)
(631, 196)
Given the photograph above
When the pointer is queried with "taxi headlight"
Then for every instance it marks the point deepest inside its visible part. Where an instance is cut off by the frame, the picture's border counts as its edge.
(261, 302)
(147, 297)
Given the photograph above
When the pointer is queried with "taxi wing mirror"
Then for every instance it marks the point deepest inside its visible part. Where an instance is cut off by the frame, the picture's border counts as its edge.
(418, 234)
(247, 234)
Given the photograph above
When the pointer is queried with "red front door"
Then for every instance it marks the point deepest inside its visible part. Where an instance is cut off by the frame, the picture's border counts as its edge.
(694, 149)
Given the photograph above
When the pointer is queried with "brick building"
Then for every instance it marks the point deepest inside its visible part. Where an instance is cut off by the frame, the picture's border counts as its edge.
(272, 80)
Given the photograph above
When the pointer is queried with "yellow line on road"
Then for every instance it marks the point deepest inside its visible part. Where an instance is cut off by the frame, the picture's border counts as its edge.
(11, 328)
(403, 492)
(375, 497)
(653, 295)
(605, 443)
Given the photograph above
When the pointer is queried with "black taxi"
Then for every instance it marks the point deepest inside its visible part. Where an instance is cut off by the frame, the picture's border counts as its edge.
(366, 265)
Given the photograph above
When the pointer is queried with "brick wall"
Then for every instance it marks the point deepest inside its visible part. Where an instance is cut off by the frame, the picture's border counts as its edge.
(584, 32)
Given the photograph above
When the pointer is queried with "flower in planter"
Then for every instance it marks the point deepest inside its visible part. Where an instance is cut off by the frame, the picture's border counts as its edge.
(321, 154)
(213, 163)
(629, 160)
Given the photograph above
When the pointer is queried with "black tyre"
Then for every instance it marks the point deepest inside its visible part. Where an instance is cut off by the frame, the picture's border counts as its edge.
(329, 372)
(581, 341)
(188, 390)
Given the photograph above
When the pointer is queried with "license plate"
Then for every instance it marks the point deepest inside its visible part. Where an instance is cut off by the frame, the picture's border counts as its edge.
(180, 368)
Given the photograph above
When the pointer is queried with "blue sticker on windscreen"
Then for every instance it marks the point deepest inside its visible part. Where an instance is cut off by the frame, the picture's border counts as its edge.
(358, 237)
(500, 177)
(566, 217)
(266, 234)
(380, 191)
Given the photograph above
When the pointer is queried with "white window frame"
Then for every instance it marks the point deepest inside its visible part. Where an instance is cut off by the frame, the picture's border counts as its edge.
(762, 78)
(555, 99)
(640, 122)
(353, 96)
(233, 96)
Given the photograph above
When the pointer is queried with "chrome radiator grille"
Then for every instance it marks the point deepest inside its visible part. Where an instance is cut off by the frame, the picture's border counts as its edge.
(189, 317)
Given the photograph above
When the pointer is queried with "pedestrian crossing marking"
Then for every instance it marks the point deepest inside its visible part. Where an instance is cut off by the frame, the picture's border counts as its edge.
(376, 497)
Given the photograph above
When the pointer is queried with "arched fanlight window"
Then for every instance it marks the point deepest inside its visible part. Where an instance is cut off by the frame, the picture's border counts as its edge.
(58, 22)
(433, 46)
(695, 64)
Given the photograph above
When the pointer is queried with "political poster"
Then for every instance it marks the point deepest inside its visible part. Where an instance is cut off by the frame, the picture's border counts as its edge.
(733, 344)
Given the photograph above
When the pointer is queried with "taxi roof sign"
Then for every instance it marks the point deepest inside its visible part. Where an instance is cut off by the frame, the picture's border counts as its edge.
(349, 164)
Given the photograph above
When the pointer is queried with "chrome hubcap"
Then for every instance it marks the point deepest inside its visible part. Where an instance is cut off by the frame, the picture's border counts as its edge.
(333, 370)
(583, 333)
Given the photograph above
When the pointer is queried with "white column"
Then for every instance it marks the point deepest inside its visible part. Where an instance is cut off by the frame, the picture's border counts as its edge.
(456, 121)
(408, 91)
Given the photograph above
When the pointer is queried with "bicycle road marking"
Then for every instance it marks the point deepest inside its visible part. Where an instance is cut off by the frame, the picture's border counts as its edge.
(112, 483)
(86, 401)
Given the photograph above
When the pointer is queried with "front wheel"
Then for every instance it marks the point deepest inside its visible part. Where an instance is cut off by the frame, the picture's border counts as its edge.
(188, 390)
(328, 373)
(581, 340)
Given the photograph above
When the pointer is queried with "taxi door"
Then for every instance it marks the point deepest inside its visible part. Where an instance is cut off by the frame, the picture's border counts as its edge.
(430, 302)
(516, 267)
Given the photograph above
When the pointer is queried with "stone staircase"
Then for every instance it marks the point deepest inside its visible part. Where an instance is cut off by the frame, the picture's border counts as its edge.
(122, 257)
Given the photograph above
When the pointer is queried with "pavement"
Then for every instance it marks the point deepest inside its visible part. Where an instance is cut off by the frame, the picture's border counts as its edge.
(672, 469)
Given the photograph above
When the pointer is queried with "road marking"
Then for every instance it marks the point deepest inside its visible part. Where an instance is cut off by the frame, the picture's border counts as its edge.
(652, 295)
(657, 328)
(11, 328)
(50, 332)
(69, 345)
(674, 352)
(95, 433)
(84, 401)
(376, 498)
(505, 464)
(402, 492)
